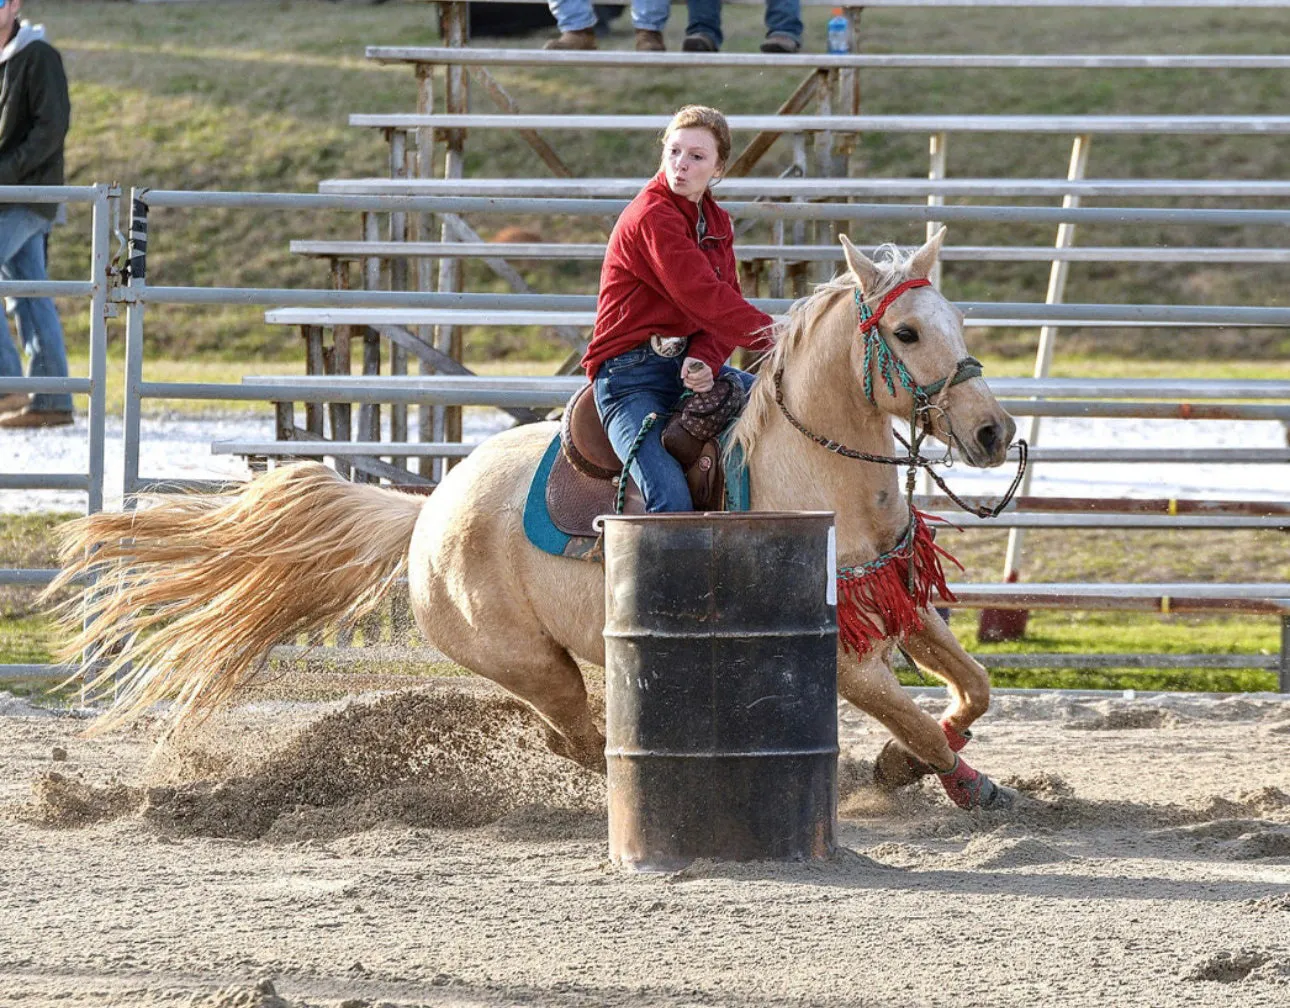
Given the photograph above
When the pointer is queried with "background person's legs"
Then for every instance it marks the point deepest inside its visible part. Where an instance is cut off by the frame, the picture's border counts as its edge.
(705, 20)
(650, 15)
(784, 17)
(572, 15)
(17, 225)
(39, 327)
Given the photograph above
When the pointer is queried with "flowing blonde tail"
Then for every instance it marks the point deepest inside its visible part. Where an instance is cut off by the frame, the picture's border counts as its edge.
(190, 594)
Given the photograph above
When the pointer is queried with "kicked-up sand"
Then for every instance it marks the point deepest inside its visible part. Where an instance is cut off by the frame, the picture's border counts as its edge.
(424, 848)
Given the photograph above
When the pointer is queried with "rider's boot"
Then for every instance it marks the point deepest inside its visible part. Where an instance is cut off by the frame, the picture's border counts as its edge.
(896, 767)
(971, 789)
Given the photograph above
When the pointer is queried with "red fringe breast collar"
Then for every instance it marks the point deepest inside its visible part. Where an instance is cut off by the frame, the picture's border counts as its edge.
(881, 599)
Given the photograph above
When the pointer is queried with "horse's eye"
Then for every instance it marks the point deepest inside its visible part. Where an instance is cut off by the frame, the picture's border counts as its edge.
(907, 335)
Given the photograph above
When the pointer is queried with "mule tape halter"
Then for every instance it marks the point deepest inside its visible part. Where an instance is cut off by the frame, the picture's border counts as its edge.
(878, 357)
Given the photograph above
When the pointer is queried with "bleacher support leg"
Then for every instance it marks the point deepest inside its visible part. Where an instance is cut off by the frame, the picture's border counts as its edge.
(1283, 670)
(453, 28)
(427, 424)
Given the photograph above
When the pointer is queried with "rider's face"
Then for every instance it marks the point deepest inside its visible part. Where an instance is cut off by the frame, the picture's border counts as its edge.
(690, 162)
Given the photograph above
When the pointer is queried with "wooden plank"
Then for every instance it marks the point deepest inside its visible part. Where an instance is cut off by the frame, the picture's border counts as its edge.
(314, 365)
(444, 364)
(372, 466)
(340, 414)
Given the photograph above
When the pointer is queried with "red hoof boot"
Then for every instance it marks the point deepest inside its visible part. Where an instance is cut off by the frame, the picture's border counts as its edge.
(896, 767)
(954, 738)
(971, 789)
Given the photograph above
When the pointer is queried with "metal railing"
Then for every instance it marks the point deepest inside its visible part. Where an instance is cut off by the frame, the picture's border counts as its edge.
(101, 198)
(1126, 398)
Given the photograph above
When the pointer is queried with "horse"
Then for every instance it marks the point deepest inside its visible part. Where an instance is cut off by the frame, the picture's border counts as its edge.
(190, 594)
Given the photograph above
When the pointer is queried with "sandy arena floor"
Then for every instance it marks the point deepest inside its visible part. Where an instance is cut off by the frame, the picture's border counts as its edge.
(423, 849)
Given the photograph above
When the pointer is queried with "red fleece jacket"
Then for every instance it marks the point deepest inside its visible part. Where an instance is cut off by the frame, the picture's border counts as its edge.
(658, 277)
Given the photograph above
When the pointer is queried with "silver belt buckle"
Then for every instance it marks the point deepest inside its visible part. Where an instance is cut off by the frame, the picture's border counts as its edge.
(668, 346)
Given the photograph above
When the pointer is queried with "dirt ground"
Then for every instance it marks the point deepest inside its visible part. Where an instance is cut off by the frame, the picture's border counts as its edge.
(424, 849)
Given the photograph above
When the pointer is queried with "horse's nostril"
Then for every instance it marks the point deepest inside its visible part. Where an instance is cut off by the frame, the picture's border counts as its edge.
(987, 437)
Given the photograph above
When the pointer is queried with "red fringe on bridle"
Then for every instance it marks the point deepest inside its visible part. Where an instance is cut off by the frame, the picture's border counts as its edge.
(876, 604)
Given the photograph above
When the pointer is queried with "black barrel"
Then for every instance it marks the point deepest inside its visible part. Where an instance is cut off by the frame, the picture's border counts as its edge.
(721, 687)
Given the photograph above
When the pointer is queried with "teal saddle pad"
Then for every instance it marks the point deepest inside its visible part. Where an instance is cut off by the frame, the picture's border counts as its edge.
(542, 532)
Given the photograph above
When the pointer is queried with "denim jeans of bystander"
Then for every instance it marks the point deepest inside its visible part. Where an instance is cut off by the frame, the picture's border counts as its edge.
(579, 15)
(783, 17)
(22, 257)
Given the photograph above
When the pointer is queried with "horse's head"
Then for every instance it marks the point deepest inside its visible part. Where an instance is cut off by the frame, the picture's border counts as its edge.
(909, 352)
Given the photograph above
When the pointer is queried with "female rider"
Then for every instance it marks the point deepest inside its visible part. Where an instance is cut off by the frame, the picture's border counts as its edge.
(670, 309)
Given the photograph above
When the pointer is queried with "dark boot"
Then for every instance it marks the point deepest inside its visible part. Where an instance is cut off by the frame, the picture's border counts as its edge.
(584, 38)
(700, 42)
(649, 41)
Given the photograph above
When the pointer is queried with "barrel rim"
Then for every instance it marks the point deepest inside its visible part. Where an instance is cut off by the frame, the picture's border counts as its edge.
(724, 516)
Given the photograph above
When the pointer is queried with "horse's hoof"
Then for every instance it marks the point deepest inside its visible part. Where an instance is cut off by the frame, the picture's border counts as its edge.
(970, 789)
(590, 757)
(896, 767)
(1004, 798)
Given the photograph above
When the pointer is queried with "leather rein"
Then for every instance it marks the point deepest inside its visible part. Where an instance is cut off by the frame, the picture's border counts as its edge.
(879, 356)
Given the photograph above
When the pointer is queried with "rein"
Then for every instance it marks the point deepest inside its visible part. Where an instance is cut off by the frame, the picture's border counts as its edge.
(878, 357)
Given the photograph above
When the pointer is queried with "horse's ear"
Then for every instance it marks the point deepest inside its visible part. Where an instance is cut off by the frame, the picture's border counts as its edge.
(922, 261)
(860, 265)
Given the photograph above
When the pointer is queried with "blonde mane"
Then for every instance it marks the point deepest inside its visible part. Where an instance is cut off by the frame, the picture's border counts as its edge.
(806, 314)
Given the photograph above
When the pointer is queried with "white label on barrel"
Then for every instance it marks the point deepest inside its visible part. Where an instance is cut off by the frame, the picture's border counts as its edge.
(831, 590)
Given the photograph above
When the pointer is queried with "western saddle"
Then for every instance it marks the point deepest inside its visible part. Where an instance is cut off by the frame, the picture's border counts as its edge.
(584, 479)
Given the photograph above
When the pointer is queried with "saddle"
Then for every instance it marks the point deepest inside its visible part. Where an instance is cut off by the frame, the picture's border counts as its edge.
(584, 477)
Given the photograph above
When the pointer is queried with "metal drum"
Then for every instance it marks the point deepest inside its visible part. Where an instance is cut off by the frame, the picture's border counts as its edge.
(721, 687)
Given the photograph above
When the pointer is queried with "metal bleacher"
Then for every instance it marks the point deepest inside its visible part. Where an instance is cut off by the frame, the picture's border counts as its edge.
(424, 250)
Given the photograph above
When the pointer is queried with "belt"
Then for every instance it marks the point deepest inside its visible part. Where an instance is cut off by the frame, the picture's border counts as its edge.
(669, 346)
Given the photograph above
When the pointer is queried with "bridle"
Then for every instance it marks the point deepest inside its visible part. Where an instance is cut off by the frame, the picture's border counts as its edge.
(878, 356)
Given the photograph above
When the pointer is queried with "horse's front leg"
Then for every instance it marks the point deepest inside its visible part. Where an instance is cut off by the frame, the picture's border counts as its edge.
(921, 745)
(936, 649)
(870, 684)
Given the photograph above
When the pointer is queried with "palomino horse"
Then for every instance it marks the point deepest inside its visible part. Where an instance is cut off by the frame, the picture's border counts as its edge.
(191, 593)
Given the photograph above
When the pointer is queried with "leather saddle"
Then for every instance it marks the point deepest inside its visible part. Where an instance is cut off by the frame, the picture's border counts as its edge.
(584, 479)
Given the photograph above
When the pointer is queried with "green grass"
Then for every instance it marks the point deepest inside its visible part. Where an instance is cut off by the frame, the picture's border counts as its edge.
(255, 96)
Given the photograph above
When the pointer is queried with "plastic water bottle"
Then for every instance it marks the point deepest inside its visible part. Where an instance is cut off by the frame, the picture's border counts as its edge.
(839, 33)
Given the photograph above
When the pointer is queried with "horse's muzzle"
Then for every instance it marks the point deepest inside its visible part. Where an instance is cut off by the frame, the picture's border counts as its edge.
(988, 445)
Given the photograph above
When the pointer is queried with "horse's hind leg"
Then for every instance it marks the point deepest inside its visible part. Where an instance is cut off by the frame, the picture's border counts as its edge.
(542, 674)
(557, 691)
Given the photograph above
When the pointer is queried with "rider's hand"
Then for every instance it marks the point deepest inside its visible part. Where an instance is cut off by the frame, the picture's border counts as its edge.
(696, 375)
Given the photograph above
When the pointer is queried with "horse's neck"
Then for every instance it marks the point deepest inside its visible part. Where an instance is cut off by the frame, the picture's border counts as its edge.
(790, 473)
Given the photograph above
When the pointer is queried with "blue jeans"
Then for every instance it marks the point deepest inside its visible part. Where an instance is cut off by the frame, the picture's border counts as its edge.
(783, 17)
(22, 257)
(578, 15)
(627, 389)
